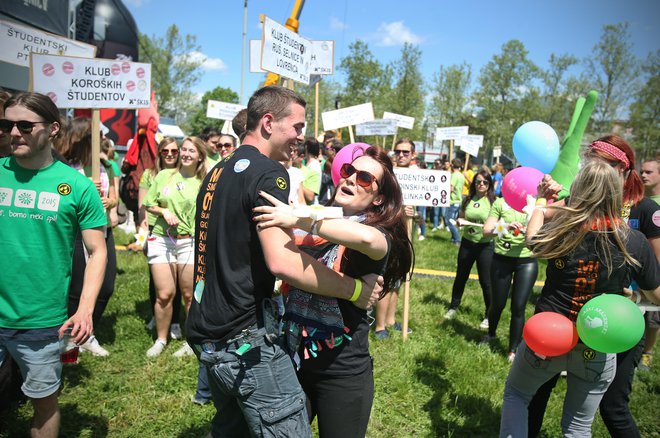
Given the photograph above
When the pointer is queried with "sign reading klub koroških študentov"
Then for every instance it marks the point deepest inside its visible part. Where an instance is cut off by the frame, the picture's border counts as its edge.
(91, 83)
(423, 187)
(285, 52)
(17, 42)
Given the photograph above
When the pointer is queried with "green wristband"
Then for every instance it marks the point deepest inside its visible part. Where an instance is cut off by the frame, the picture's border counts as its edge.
(356, 291)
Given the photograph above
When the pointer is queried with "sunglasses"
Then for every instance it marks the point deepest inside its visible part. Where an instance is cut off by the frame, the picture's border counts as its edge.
(224, 145)
(24, 126)
(169, 152)
(401, 152)
(481, 182)
(363, 178)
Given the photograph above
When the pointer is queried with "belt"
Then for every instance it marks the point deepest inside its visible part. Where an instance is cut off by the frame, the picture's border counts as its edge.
(250, 337)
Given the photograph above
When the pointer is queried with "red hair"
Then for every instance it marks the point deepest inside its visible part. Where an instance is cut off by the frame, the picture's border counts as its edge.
(633, 187)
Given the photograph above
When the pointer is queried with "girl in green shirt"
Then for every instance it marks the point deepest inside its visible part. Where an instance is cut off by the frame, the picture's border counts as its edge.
(172, 199)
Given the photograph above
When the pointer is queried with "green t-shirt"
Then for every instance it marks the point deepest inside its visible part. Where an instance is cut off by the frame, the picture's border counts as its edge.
(312, 179)
(456, 182)
(656, 198)
(509, 245)
(41, 211)
(212, 161)
(179, 195)
(477, 211)
(146, 181)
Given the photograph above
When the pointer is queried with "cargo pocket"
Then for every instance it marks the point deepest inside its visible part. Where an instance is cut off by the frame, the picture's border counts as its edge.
(534, 361)
(598, 367)
(287, 418)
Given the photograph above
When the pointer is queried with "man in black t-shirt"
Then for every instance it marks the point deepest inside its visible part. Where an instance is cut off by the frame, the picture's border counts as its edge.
(254, 386)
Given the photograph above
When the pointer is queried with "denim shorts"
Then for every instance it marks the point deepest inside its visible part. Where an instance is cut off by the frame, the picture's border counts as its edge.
(39, 362)
(255, 390)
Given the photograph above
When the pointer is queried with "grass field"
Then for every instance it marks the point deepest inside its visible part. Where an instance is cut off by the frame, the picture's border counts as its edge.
(440, 383)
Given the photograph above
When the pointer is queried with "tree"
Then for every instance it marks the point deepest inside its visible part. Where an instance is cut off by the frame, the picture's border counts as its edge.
(645, 111)
(175, 69)
(503, 84)
(407, 96)
(199, 121)
(450, 94)
(612, 70)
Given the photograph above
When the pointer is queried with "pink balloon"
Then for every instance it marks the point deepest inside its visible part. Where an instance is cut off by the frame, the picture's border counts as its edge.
(346, 155)
(519, 183)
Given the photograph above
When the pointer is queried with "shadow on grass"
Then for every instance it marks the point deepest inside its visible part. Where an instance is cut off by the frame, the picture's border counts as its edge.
(105, 332)
(196, 431)
(483, 419)
(74, 375)
(75, 422)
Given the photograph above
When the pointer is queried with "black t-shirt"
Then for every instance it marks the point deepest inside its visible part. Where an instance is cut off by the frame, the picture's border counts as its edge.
(573, 280)
(231, 276)
(641, 218)
(352, 357)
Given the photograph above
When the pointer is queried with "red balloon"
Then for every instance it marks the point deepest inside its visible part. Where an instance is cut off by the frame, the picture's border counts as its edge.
(550, 334)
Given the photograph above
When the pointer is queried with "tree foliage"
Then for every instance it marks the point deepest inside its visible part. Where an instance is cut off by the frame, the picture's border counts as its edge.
(645, 111)
(450, 94)
(174, 70)
(407, 96)
(328, 92)
(612, 70)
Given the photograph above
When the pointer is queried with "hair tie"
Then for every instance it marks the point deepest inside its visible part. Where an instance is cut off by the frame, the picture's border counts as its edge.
(612, 150)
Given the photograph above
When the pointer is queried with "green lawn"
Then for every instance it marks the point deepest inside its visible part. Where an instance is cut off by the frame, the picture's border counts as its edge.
(439, 383)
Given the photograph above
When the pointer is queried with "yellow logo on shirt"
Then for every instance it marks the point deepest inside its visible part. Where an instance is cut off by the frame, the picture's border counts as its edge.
(281, 183)
(588, 354)
(560, 264)
(64, 189)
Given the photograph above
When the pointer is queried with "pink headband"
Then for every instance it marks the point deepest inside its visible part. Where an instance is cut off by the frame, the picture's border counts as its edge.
(612, 150)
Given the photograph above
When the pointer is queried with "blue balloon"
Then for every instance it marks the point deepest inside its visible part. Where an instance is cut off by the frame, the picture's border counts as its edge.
(535, 144)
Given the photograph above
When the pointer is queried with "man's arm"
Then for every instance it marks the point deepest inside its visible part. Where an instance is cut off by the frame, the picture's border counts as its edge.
(81, 322)
(287, 262)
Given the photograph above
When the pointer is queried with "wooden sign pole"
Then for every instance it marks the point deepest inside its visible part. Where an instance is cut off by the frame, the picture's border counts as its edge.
(350, 133)
(406, 289)
(96, 145)
(451, 149)
(467, 160)
(316, 110)
(396, 132)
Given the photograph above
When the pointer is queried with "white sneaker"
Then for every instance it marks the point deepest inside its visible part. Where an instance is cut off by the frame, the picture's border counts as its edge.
(484, 324)
(420, 238)
(156, 349)
(434, 229)
(450, 313)
(93, 346)
(151, 324)
(183, 351)
(175, 331)
(511, 357)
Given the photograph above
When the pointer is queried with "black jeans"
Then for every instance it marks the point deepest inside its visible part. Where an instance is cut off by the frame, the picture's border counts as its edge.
(78, 275)
(468, 253)
(342, 403)
(505, 270)
(614, 409)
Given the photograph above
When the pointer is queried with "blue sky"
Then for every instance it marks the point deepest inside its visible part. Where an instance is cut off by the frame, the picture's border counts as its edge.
(447, 32)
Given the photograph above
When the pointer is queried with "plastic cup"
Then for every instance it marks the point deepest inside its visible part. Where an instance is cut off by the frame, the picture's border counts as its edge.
(68, 349)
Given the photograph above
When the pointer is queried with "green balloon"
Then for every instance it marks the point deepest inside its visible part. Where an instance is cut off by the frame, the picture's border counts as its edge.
(610, 323)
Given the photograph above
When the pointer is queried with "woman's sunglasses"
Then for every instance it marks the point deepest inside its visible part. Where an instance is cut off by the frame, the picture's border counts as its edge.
(481, 182)
(24, 126)
(169, 152)
(363, 178)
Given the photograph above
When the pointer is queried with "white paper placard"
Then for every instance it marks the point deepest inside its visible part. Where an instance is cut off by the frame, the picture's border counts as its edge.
(351, 115)
(451, 133)
(17, 42)
(222, 110)
(255, 57)
(497, 151)
(321, 63)
(285, 52)
(402, 121)
(376, 127)
(471, 144)
(91, 83)
(423, 187)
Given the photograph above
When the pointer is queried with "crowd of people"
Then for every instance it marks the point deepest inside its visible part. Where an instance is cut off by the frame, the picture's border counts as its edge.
(223, 222)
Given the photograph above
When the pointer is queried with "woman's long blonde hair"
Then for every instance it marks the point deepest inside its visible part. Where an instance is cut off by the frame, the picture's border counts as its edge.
(594, 206)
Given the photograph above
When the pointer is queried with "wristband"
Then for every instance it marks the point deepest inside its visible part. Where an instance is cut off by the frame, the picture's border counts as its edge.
(356, 291)
(541, 202)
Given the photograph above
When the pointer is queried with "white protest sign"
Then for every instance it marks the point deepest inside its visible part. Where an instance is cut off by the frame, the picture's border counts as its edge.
(351, 115)
(321, 63)
(497, 151)
(17, 42)
(323, 58)
(471, 143)
(423, 187)
(91, 83)
(401, 120)
(377, 127)
(285, 52)
(222, 110)
(451, 133)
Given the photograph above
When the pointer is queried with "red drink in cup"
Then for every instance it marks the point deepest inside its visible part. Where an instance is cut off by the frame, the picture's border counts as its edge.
(68, 349)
